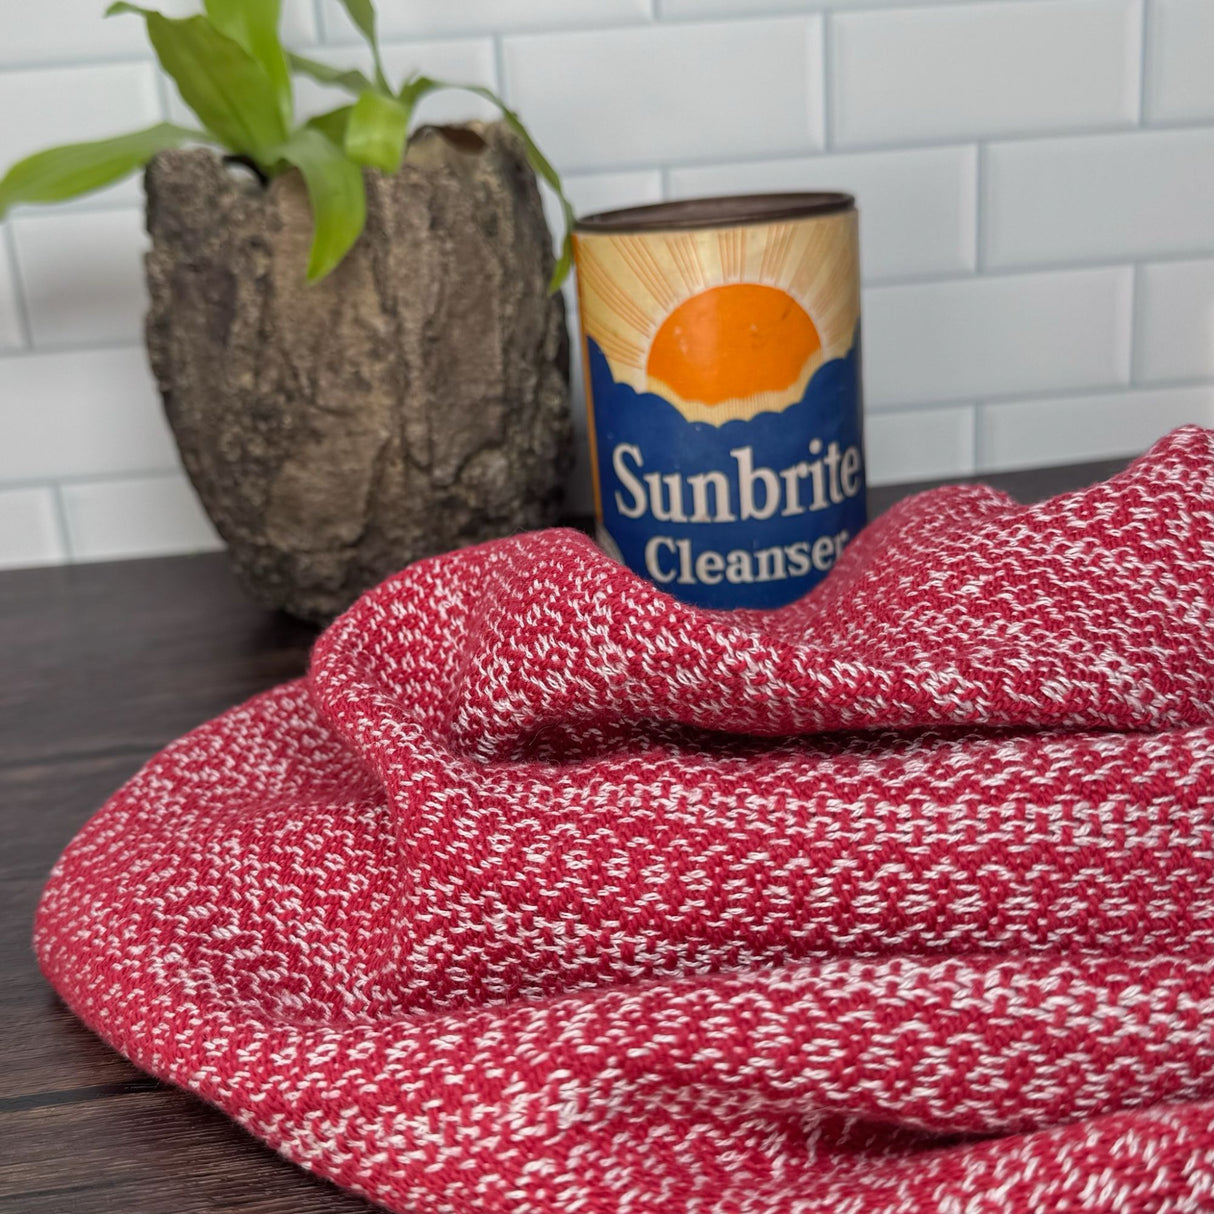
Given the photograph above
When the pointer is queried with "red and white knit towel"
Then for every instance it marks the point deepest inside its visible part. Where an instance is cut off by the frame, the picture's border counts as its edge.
(545, 893)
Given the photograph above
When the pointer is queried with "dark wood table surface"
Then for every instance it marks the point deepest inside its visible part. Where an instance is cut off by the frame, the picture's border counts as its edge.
(100, 666)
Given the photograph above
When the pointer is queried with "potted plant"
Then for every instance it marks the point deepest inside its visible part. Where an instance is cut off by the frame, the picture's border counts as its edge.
(354, 322)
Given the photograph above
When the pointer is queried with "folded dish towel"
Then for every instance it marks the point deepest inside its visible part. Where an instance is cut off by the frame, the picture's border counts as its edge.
(544, 892)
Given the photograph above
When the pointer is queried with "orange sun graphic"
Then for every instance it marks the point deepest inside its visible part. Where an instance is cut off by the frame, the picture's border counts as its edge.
(723, 325)
(737, 340)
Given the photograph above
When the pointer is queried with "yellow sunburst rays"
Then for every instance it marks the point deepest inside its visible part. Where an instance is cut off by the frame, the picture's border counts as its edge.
(630, 284)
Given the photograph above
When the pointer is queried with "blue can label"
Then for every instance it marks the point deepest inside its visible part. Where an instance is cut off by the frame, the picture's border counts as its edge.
(723, 371)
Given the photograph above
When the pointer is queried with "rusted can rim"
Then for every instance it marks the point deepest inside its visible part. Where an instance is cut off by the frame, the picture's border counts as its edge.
(730, 211)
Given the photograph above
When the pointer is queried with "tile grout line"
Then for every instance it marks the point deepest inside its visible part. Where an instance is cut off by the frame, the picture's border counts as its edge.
(25, 325)
(138, 476)
(163, 95)
(1061, 395)
(761, 12)
(1135, 359)
(499, 69)
(77, 347)
(827, 20)
(61, 523)
(1145, 40)
(72, 63)
(978, 444)
(981, 170)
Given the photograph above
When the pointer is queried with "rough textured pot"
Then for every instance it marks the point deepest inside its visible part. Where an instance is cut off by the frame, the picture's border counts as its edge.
(414, 401)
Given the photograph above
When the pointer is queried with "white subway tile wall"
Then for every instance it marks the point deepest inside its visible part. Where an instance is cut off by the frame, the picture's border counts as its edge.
(1035, 180)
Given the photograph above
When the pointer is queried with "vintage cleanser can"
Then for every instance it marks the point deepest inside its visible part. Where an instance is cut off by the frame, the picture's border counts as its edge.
(722, 354)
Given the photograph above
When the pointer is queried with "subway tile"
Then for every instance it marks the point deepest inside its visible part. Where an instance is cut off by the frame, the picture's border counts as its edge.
(1101, 197)
(10, 323)
(464, 60)
(1180, 61)
(66, 30)
(614, 98)
(80, 413)
(73, 104)
(438, 18)
(1009, 335)
(58, 30)
(147, 516)
(29, 533)
(917, 208)
(1039, 433)
(82, 275)
(919, 444)
(977, 70)
(1175, 321)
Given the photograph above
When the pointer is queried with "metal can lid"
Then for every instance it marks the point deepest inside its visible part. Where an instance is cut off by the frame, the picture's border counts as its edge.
(726, 211)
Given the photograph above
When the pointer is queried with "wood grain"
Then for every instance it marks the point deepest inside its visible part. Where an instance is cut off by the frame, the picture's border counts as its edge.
(102, 665)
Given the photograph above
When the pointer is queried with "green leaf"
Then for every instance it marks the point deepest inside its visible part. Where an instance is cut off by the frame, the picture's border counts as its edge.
(332, 124)
(219, 80)
(376, 132)
(417, 87)
(254, 24)
(77, 168)
(352, 81)
(336, 191)
(362, 13)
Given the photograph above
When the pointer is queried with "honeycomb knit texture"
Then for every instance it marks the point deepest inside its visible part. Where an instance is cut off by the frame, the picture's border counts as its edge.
(546, 894)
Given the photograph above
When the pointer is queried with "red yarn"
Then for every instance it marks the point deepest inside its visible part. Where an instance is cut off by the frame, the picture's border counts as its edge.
(546, 893)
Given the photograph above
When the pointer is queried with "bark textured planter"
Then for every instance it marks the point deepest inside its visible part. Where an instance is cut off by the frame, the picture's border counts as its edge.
(414, 401)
